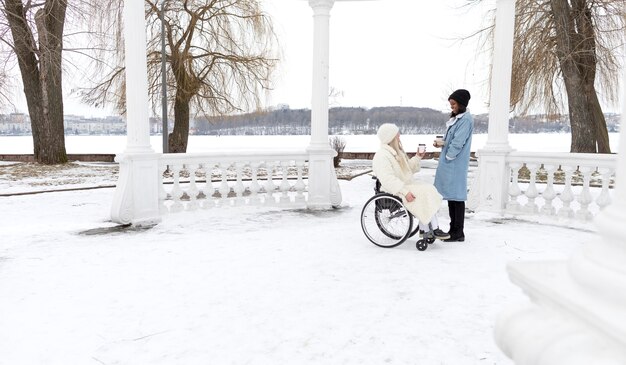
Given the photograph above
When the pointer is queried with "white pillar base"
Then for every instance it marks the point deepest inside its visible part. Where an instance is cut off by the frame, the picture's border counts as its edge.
(136, 198)
(494, 180)
(569, 323)
(324, 191)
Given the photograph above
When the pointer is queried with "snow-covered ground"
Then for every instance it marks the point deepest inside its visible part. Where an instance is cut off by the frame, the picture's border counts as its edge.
(250, 285)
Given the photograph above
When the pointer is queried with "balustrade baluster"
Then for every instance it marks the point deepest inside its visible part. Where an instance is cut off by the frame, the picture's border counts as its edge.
(254, 185)
(604, 198)
(239, 188)
(162, 193)
(209, 190)
(514, 190)
(567, 196)
(284, 186)
(549, 193)
(269, 184)
(193, 191)
(224, 188)
(299, 185)
(177, 192)
(584, 198)
(532, 193)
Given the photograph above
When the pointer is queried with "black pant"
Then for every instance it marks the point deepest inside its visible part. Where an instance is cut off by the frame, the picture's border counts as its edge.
(457, 218)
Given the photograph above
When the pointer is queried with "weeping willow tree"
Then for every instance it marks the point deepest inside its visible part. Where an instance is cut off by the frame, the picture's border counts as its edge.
(220, 57)
(34, 34)
(5, 90)
(40, 37)
(569, 45)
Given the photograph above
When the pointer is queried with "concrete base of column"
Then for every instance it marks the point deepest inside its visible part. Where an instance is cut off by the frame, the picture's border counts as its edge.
(324, 191)
(494, 180)
(136, 198)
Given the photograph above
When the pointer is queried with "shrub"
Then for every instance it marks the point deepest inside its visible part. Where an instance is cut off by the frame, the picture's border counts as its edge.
(338, 144)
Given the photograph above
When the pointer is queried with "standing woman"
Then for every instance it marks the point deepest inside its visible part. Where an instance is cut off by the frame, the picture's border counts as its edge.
(451, 175)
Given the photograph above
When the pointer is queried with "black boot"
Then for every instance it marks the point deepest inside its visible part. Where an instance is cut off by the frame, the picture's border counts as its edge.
(452, 218)
(457, 221)
(460, 219)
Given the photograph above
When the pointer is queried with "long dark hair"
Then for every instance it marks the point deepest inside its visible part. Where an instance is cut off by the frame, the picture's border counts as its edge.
(462, 109)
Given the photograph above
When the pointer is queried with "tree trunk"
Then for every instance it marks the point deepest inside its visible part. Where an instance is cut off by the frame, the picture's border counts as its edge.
(575, 41)
(177, 141)
(602, 133)
(581, 116)
(40, 67)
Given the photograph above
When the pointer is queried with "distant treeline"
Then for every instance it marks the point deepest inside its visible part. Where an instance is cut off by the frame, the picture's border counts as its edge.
(342, 120)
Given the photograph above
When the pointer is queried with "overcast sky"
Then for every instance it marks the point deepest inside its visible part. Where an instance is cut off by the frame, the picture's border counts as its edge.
(382, 53)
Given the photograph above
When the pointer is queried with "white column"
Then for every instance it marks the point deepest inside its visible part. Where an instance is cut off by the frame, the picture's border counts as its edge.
(323, 187)
(579, 310)
(500, 98)
(137, 122)
(494, 175)
(320, 84)
(136, 195)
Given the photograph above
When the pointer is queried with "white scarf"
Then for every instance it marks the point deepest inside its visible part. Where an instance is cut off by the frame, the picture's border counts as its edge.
(453, 120)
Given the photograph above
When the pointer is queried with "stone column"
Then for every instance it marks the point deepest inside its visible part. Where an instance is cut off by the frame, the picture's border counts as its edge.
(493, 172)
(136, 194)
(137, 123)
(578, 314)
(323, 187)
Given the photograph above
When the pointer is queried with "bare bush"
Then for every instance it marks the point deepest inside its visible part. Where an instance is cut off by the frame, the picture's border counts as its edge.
(338, 144)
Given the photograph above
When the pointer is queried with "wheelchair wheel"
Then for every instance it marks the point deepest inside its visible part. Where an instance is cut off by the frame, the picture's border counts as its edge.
(415, 230)
(385, 221)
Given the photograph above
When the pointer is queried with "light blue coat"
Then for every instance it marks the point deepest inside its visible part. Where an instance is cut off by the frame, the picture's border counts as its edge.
(451, 175)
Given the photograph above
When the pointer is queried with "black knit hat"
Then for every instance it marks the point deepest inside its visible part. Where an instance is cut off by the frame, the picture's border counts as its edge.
(461, 96)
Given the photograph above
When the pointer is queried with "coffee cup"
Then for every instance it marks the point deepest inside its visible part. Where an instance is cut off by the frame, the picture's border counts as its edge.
(439, 141)
(421, 148)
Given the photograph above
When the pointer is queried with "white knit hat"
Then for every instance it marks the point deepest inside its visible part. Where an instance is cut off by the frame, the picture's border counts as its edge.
(387, 132)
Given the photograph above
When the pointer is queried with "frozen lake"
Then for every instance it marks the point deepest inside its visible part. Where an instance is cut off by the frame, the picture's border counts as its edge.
(545, 142)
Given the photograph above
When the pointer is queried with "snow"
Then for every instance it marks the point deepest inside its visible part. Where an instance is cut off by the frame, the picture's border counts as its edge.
(252, 285)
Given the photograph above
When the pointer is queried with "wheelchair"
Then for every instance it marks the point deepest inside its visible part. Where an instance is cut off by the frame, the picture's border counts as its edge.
(387, 223)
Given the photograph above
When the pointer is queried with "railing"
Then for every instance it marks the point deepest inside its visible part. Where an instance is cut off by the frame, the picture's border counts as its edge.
(576, 185)
(207, 180)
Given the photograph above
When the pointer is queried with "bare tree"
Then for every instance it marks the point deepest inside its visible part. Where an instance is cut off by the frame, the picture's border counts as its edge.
(5, 89)
(220, 58)
(37, 41)
(568, 45)
(338, 144)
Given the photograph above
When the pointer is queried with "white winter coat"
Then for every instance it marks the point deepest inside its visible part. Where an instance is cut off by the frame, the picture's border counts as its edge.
(399, 182)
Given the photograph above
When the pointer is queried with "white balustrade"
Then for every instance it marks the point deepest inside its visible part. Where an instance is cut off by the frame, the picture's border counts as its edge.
(573, 188)
(176, 193)
(231, 180)
(193, 191)
(567, 196)
(604, 199)
(549, 193)
(514, 190)
(532, 193)
(209, 190)
(584, 198)
(299, 186)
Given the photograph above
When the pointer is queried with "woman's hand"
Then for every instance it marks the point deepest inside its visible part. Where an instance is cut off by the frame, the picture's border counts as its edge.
(421, 154)
(438, 144)
(409, 197)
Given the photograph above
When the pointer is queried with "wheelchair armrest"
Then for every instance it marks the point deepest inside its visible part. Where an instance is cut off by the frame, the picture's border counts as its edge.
(376, 185)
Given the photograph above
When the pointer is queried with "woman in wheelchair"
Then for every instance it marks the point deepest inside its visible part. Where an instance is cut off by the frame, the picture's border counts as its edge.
(395, 171)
